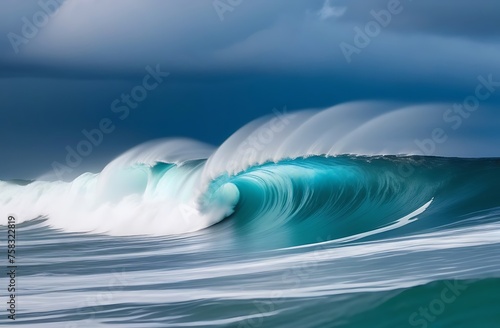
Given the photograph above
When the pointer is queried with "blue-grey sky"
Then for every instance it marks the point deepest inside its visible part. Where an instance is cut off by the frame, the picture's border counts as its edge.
(63, 64)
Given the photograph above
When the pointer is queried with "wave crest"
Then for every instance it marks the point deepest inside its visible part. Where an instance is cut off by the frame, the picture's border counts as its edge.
(276, 172)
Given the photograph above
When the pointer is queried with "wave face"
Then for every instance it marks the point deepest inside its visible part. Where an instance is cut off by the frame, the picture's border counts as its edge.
(352, 198)
(289, 223)
(300, 200)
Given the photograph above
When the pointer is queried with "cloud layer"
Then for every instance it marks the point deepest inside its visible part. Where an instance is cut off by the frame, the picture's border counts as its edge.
(110, 36)
(64, 62)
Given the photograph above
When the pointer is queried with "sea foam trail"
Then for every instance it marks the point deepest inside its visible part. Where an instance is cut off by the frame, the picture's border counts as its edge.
(360, 128)
(137, 193)
(269, 172)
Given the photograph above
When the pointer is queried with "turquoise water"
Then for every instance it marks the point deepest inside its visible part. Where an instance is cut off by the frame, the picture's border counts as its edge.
(309, 242)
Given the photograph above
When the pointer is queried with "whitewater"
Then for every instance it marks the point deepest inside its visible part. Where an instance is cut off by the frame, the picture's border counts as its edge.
(365, 214)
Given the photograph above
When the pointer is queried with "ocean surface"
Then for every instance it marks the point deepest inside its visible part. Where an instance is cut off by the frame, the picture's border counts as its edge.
(345, 241)
(276, 227)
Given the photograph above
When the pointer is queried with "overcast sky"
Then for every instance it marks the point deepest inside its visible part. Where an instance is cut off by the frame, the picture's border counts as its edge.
(64, 63)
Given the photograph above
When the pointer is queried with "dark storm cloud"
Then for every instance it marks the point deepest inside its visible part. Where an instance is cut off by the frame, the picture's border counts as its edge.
(460, 18)
(224, 72)
(85, 38)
